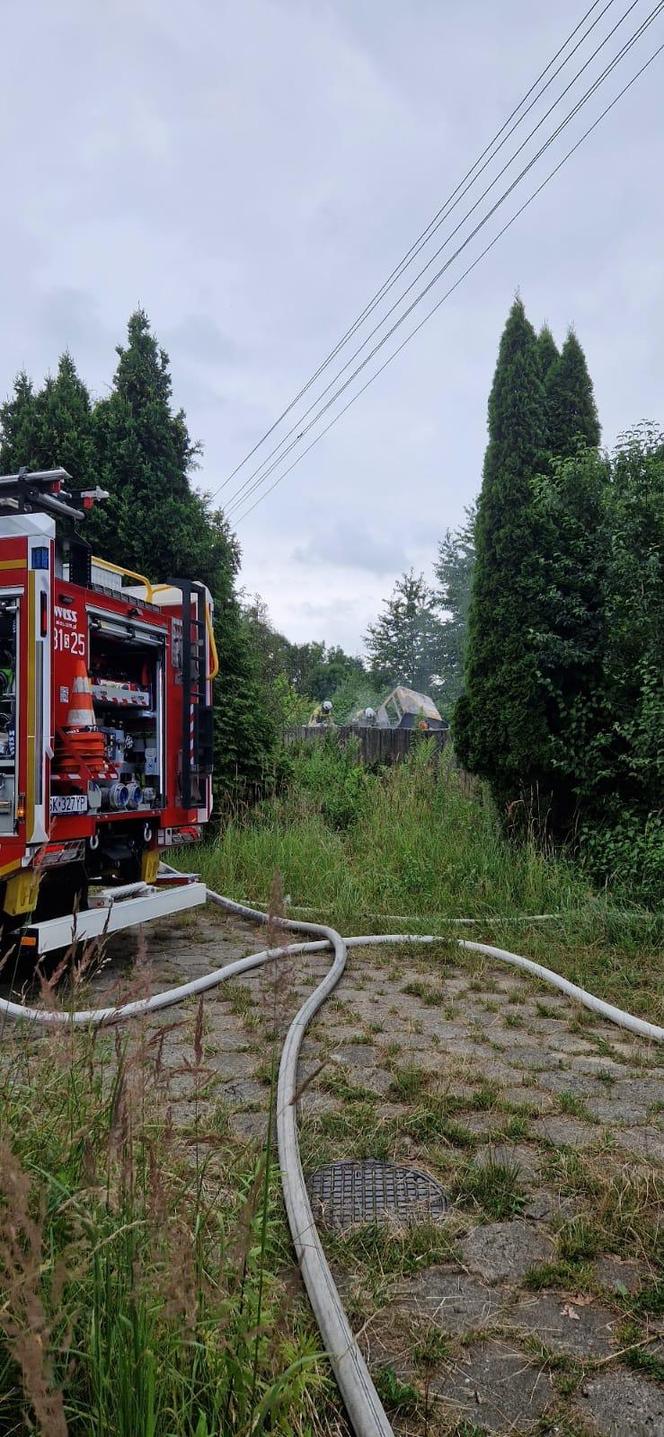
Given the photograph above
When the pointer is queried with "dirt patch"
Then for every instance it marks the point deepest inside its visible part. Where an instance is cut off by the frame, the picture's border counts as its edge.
(505, 1251)
(624, 1405)
(493, 1388)
(563, 1326)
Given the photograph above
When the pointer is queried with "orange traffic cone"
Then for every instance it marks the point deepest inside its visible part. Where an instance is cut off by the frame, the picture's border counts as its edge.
(81, 715)
(81, 744)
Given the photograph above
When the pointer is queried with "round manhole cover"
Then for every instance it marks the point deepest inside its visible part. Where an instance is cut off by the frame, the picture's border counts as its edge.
(354, 1192)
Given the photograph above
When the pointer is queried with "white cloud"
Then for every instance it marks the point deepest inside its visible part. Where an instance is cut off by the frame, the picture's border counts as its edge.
(352, 546)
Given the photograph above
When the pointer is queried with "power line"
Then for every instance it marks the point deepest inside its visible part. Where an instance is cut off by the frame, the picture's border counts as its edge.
(435, 222)
(246, 489)
(247, 486)
(275, 457)
(458, 281)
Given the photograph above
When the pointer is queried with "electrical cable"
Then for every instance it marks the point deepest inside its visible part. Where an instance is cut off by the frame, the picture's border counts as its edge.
(256, 477)
(486, 156)
(533, 196)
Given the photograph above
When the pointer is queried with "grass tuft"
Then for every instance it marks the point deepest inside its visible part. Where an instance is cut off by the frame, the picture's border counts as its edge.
(391, 1250)
(493, 1186)
(409, 1083)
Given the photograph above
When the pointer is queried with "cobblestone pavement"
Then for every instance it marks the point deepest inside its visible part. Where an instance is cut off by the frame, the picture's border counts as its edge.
(537, 1305)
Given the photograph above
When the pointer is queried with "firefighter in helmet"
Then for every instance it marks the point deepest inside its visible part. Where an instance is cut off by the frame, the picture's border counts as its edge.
(322, 714)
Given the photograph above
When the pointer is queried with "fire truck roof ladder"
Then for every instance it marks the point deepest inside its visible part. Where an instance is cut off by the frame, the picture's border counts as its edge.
(39, 491)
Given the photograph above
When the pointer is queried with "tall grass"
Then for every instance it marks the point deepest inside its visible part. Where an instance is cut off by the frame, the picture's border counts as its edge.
(418, 839)
(411, 847)
(138, 1295)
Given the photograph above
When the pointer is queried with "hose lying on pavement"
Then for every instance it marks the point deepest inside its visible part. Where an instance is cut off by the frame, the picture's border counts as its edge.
(361, 1399)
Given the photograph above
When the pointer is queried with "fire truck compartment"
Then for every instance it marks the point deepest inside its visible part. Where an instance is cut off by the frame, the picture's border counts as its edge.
(8, 651)
(127, 682)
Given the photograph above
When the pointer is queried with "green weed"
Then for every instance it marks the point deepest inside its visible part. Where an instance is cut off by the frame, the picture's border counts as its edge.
(483, 1099)
(430, 1122)
(408, 1083)
(651, 1299)
(570, 1103)
(398, 1396)
(564, 1275)
(429, 995)
(430, 1349)
(493, 1186)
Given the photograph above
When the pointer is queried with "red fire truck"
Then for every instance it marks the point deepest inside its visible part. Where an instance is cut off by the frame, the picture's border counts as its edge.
(105, 726)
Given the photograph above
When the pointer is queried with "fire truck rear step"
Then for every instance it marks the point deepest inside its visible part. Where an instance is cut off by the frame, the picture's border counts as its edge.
(111, 916)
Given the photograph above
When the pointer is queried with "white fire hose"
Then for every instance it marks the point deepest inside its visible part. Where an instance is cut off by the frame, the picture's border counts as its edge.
(364, 1407)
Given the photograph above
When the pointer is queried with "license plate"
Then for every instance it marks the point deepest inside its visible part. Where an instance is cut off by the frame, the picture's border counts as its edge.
(69, 803)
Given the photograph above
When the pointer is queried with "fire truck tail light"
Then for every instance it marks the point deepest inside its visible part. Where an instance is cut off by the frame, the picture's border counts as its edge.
(20, 806)
(43, 615)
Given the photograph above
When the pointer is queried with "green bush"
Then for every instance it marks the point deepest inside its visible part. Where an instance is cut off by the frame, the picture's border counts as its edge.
(629, 855)
(332, 774)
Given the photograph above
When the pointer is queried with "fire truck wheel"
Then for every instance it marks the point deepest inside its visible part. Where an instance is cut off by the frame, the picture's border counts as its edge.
(62, 891)
(12, 967)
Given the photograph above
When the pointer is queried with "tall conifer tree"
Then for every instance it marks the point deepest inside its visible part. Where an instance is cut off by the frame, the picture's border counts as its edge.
(571, 409)
(155, 522)
(454, 570)
(20, 428)
(50, 428)
(547, 349)
(403, 643)
(500, 720)
(135, 446)
(569, 631)
(66, 430)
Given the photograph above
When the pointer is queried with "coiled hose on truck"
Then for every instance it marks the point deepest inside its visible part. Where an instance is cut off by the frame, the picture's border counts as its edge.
(364, 1407)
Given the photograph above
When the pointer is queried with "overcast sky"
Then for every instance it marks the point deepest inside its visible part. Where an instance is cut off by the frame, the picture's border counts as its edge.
(250, 173)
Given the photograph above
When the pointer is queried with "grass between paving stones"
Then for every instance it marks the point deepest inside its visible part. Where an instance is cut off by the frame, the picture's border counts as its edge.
(568, 1276)
(619, 1208)
(574, 1106)
(494, 1188)
(433, 997)
(389, 1251)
